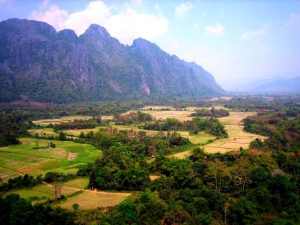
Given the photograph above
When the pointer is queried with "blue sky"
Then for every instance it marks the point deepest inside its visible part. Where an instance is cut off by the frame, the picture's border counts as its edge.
(239, 42)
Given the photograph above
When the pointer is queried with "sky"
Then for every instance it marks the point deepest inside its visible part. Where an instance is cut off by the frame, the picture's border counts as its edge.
(238, 42)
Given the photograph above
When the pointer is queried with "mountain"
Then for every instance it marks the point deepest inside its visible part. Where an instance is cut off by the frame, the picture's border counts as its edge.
(283, 85)
(49, 66)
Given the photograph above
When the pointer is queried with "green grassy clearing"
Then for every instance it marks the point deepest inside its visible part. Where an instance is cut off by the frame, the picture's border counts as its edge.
(80, 183)
(44, 191)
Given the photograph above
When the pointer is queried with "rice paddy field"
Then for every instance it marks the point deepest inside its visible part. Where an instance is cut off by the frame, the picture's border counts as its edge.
(24, 158)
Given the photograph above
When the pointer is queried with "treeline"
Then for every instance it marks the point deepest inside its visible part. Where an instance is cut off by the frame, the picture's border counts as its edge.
(263, 103)
(18, 211)
(27, 181)
(77, 124)
(198, 124)
(132, 117)
(40, 110)
(283, 132)
(282, 128)
(12, 126)
(217, 113)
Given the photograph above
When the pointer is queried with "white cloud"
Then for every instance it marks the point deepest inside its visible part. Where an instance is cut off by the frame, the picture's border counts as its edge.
(131, 24)
(54, 16)
(125, 25)
(183, 8)
(216, 29)
(256, 33)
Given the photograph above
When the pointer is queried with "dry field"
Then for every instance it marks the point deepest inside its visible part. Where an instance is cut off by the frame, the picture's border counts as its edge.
(180, 115)
(45, 132)
(76, 132)
(63, 119)
(157, 107)
(95, 199)
(237, 137)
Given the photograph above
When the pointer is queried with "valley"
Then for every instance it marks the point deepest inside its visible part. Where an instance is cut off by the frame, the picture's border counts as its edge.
(35, 156)
(92, 162)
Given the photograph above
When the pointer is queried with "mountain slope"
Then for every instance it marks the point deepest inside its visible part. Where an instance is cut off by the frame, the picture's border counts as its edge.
(45, 65)
(287, 85)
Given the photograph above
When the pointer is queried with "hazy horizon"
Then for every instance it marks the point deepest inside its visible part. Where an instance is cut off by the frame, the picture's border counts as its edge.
(237, 42)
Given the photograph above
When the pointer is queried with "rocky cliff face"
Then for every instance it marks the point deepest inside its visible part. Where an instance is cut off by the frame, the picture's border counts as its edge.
(45, 65)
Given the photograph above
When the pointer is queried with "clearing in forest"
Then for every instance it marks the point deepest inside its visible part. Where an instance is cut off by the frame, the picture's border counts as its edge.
(46, 191)
(88, 199)
(237, 136)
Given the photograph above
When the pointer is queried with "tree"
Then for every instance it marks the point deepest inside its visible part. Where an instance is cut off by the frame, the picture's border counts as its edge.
(81, 136)
(62, 136)
(75, 206)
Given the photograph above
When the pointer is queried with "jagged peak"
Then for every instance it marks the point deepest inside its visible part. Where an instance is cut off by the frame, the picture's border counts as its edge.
(97, 31)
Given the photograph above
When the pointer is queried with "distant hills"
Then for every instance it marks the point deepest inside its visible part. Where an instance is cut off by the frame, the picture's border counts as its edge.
(283, 85)
(48, 66)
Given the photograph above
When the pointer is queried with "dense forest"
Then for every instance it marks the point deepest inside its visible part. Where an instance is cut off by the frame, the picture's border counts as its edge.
(210, 125)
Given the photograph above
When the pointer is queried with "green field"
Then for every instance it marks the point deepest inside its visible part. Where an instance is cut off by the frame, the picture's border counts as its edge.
(46, 191)
(75, 192)
(66, 157)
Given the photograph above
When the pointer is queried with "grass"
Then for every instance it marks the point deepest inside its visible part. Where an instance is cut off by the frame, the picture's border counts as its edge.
(80, 183)
(74, 192)
(41, 191)
(198, 139)
(46, 191)
(23, 158)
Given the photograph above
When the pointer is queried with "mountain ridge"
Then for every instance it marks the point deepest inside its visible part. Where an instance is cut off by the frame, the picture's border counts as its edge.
(42, 64)
(278, 85)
